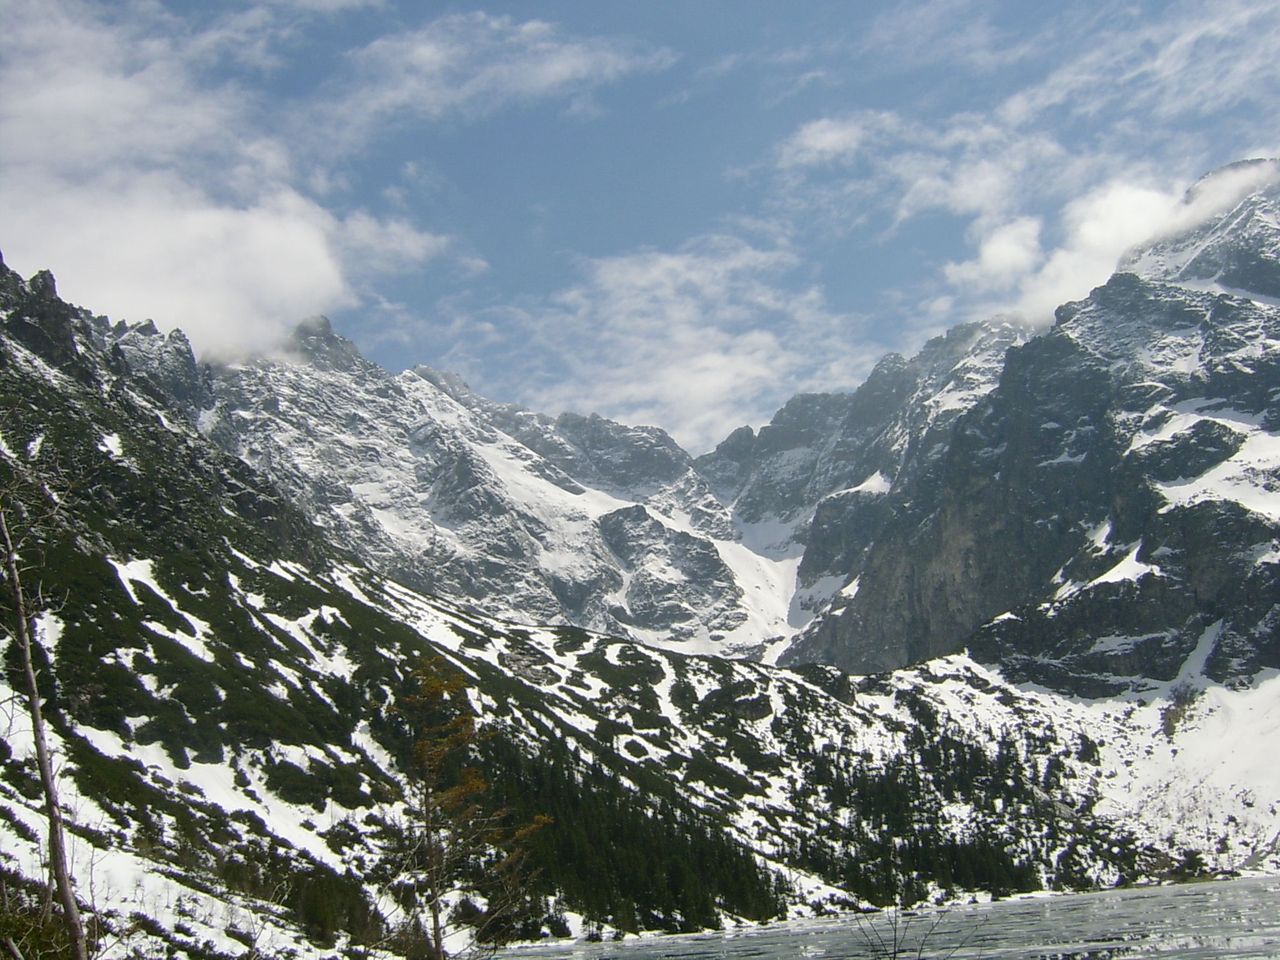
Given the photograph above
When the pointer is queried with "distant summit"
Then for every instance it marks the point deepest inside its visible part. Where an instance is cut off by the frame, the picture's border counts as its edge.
(1234, 181)
(1227, 235)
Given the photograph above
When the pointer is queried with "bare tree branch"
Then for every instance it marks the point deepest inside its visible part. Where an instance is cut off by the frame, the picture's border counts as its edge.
(23, 608)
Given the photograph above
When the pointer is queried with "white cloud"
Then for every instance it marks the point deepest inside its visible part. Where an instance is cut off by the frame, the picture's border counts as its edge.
(152, 247)
(820, 142)
(943, 31)
(1108, 222)
(966, 166)
(1216, 194)
(153, 192)
(700, 340)
(388, 246)
(1099, 227)
(149, 192)
(1192, 60)
(476, 63)
(1006, 255)
(82, 95)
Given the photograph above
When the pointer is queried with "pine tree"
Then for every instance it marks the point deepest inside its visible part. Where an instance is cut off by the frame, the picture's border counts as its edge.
(451, 847)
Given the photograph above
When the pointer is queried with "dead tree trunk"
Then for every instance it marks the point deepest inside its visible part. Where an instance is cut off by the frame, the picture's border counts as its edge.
(24, 632)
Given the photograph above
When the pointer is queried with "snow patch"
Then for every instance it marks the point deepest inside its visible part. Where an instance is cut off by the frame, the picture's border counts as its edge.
(1129, 568)
(110, 443)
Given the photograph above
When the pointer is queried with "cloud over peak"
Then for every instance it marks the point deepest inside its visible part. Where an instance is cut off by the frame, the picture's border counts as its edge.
(142, 164)
(699, 339)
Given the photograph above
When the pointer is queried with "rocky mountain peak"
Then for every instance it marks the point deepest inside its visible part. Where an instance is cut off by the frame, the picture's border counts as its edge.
(444, 380)
(623, 456)
(315, 340)
(1234, 182)
(727, 466)
(41, 321)
(43, 285)
(1227, 234)
(167, 359)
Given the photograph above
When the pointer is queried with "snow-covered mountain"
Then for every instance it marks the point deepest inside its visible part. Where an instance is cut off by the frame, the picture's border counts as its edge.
(575, 520)
(580, 520)
(1105, 520)
(223, 686)
(815, 483)
(1235, 250)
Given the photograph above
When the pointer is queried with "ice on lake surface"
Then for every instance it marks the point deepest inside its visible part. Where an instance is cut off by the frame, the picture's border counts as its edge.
(1235, 918)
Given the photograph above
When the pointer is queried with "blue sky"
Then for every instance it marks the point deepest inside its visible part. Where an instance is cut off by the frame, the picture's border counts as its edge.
(671, 213)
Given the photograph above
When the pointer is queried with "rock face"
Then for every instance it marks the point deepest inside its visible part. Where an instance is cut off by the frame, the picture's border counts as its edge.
(817, 483)
(1107, 519)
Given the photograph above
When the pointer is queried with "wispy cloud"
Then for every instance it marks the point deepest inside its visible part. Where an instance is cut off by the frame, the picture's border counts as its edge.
(1063, 171)
(933, 32)
(699, 339)
(825, 141)
(1006, 255)
(474, 64)
(388, 246)
(1190, 60)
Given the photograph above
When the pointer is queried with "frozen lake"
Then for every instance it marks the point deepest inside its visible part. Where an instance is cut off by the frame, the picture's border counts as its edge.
(1236, 919)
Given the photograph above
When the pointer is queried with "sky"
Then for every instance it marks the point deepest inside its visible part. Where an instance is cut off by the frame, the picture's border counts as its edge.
(670, 213)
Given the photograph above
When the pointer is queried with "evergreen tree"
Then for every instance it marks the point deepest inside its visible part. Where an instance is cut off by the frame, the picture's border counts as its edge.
(452, 860)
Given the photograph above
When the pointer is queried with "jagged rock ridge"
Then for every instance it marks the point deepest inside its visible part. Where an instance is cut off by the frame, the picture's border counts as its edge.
(576, 519)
